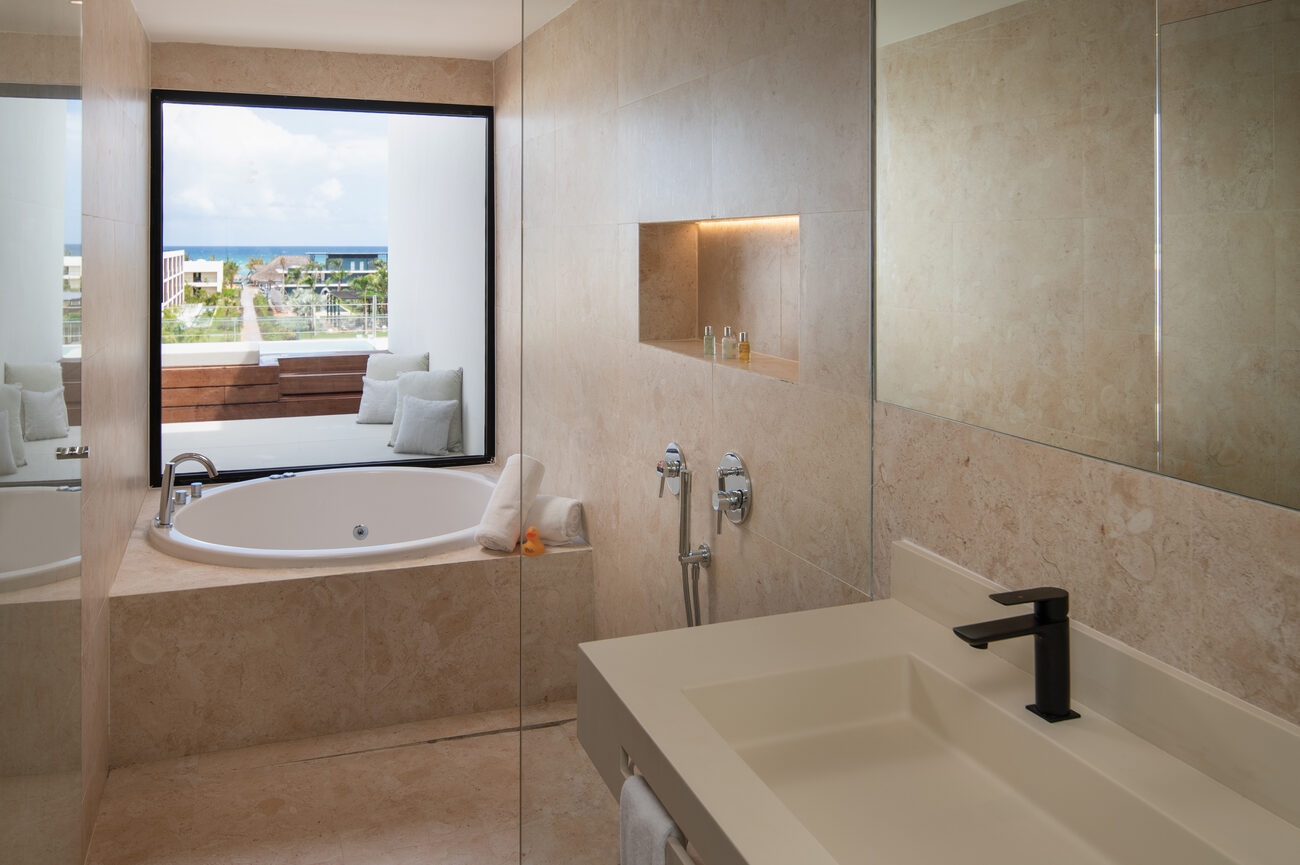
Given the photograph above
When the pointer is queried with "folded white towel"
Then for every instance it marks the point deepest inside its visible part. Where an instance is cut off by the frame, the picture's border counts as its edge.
(558, 519)
(500, 527)
(643, 825)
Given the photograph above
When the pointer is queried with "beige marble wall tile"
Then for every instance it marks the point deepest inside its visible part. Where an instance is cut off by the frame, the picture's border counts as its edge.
(588, 196)
(1216, 150)
(787, 137)
(667, 285)
(202, 670)
(1198, 578)
(835, 302)
(1286, 250)
(748, 272)
(115, 202)
(440, 641)
(284, 71)
(661, 45)
(1286, 125)
(1172, 11)
(1218, 278)
(558, 601)
(1021, 271)
(1219, 415)
(38, 58)
(808, 481)
(665, 156)
(703, 88)
(585, 81)
(40, 674)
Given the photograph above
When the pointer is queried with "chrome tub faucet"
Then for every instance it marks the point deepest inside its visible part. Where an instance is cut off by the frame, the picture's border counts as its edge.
(166, 503)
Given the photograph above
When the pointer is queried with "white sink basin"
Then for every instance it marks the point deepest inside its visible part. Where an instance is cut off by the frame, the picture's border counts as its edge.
(890, 760)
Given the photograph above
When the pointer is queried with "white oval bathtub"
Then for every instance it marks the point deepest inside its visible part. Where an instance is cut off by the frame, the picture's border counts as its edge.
(312, 518)
(40, 536)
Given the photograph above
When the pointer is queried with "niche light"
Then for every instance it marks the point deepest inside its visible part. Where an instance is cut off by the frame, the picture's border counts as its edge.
(756, 221)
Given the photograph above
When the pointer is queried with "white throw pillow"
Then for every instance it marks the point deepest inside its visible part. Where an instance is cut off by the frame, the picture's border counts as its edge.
(441, 384)
(378, 401)
(11, 402)
(386, 367)
(45, 415)
(35, 376)
(424, 426)
(7, 464)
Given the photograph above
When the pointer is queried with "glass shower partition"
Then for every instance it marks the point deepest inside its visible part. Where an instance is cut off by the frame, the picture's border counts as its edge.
(682, 171)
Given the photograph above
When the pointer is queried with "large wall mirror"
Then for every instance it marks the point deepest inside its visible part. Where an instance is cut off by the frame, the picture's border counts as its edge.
(40, 500)
(319, 265)
(1020, 226)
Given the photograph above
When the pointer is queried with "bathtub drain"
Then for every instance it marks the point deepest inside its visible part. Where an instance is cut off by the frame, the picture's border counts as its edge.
(360, 532)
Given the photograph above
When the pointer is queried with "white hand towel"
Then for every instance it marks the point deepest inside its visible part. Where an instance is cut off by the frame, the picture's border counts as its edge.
(643, 825)
(500, 527)
(558, 519)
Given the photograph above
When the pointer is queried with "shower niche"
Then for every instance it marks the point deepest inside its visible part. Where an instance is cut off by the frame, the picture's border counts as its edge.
(742, 273)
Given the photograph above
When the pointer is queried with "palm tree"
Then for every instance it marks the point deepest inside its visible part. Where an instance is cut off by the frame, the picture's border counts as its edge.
(252, 265)
(229, 270)
(335, 265)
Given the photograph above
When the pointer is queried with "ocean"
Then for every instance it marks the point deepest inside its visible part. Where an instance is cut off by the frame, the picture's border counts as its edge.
(241, 254)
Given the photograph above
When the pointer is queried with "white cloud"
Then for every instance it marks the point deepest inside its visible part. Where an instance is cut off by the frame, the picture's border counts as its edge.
(330, 190)
(270, 176)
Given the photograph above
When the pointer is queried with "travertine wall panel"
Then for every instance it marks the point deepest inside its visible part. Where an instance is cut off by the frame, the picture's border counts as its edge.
(115, 340)
(681, 112)
(294, 72)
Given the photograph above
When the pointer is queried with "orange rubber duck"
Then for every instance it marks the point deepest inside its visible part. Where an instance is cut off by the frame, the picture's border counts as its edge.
(533, 545)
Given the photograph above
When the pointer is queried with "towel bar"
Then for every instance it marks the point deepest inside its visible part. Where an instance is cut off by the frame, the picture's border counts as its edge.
(675, 851)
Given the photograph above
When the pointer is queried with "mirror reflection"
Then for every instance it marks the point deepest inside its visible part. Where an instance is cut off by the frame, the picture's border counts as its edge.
(1230, 250)
(40, 501)
(1017, 230)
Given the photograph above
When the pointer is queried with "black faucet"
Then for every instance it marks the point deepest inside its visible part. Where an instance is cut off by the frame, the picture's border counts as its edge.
(1050, 628)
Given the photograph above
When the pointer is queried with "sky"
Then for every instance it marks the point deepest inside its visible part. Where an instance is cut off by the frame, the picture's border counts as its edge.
(239, 176)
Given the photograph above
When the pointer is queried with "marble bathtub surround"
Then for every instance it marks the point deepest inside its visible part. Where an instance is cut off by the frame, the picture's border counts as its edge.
(206, 658)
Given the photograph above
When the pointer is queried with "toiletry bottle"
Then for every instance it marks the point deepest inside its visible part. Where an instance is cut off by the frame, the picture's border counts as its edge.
(742, 347)
(708, 340)
(728, 344)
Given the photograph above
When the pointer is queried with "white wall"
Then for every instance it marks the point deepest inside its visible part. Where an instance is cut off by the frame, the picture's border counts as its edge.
(437, 252)
(32, 145)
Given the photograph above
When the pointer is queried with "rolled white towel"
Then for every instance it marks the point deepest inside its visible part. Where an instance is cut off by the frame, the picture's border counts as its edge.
(558, 519)
(500, 527)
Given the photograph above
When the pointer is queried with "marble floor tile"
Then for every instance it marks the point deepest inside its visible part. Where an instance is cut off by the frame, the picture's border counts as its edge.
(442, 792)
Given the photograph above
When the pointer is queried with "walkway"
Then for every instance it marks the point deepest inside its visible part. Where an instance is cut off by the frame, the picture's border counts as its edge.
(251, 330)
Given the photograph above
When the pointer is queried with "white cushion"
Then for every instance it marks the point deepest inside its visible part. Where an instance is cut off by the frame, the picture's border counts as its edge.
(35, 376)
(440, 384)
(386, 367)
(424, 426)
(45, 415)
(378, 401)
(7, 464)
(11, 402)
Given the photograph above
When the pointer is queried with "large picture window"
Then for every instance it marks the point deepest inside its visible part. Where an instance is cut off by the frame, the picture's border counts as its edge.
(322, 282)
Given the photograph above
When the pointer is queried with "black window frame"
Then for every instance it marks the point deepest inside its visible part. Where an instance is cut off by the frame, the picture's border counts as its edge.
(161, 97)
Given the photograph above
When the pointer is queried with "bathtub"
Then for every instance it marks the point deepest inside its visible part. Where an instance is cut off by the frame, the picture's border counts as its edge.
(327, 517)
(40, 536)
